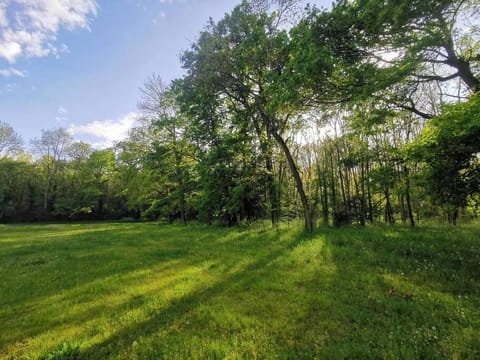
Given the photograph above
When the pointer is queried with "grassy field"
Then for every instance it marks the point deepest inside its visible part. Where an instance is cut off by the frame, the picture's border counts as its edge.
(150, 291)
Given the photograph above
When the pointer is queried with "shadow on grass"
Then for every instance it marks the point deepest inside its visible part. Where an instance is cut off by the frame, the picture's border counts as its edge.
(60, 269)
(432, 315)
(293, 295)
(243, 278)
(68, 271)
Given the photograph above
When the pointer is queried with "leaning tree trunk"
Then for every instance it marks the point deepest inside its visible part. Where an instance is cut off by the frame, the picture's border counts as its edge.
(307, 211)
(408, 198)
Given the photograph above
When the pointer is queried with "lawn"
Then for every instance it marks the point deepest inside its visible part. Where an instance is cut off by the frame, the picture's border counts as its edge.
(152, 291)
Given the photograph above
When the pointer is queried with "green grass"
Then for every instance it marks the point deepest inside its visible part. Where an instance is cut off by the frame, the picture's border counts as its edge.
(149, 291)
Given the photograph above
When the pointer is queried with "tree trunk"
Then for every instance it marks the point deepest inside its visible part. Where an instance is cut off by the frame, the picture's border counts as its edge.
(340, 175)
(45, 199)
(334, 191)
(272, 191)
(463, 67)
(179, 174)
(388, 208)
(307, 212)
(369, 195)
(403, 209)
(407, 195)
(273, 195)
(324, 189)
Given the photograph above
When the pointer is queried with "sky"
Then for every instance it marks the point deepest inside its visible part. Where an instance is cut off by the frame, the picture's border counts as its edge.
(79, 64)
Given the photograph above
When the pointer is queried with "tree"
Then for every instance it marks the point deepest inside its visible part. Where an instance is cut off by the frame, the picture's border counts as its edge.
(424, 42)
(19, 190)
(79, 151)
(449, 145)
(53, 148)
(240, 65)
(10, 141)
(170, 150)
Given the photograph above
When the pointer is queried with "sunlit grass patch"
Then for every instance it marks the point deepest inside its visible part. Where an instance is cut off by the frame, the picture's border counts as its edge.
(127, 291)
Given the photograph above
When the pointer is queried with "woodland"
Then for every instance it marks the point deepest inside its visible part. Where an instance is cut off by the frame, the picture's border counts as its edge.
(365, 112)
(292, 196)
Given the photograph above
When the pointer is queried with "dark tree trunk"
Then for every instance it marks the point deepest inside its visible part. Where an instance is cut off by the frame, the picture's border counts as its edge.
(334, 191)
(407, 196)
(388, 208)
(362, 198)
(324, 189)
(273, 195)
(463, 67)
(272, 191)
(307, 212)
(369, 197)
(403, 209)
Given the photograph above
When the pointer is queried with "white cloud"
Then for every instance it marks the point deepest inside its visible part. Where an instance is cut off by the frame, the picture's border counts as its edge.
(8, 72)
(62, 115)
(10, 50)
(29, 27)
(106, 132)
(3, 15)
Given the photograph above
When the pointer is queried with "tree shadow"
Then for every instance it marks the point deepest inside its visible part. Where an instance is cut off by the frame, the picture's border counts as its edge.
(360, 317)
(119, 256)
(70, 269)
(243, 278)
(272, 293)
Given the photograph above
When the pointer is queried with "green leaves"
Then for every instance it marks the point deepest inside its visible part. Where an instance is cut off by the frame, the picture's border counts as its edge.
(450, 145)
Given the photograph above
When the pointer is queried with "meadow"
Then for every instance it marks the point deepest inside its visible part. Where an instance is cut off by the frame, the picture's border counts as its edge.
(157, 291)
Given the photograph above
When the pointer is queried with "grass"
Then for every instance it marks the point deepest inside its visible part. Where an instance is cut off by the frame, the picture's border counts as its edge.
(149, 291)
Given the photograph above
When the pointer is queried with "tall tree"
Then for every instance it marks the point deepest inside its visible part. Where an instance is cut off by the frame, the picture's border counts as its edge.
(53, 149)
(10, 141)
(240, 64)
(170, 148)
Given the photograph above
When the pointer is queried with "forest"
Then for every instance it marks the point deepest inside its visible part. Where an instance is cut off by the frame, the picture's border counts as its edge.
(365, 112)
(292, 195)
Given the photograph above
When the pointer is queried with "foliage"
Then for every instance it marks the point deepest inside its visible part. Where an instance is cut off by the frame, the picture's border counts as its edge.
(449, 144)
(10, 141)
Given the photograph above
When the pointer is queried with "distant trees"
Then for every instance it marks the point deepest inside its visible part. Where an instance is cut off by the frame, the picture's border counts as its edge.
(19, 189)
(10, 142)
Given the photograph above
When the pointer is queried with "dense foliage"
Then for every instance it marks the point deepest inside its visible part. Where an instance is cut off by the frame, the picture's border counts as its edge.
(364, 112)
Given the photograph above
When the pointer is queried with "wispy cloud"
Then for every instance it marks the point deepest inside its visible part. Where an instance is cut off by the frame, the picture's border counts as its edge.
(29, 27)
(3, 15)
(106, 132)
(8, 88)
(62, 115)
(161, 15)
(8, 72)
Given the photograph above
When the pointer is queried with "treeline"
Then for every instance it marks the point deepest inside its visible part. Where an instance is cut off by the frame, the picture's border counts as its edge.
(368, 111)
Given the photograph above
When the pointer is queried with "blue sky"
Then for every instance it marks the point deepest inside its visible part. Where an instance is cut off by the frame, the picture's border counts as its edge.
(78, 64)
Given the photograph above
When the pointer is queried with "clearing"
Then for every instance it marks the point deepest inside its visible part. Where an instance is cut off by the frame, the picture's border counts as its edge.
(144, 290)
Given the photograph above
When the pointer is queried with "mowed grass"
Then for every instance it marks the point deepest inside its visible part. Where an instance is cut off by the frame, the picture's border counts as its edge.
(150, 291)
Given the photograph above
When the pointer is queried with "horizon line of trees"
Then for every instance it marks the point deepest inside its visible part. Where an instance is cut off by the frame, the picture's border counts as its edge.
(365, 112)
